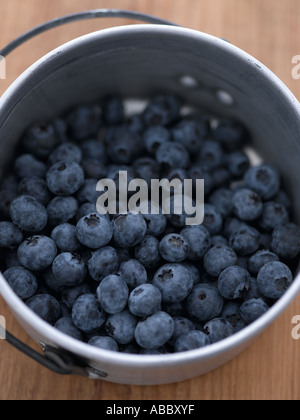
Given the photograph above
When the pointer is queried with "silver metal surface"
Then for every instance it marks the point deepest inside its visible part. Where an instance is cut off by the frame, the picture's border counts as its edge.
(138, 61)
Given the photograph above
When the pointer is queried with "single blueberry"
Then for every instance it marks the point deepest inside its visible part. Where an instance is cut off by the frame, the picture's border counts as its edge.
(273, 215)
(87, 314)
(88, 192)
(129, 230)
(172, 154)
(154, 137)
(245, 241)
(28, 214)
(197, 173)
(205, 302)
(174, 282)
(237, 163)
(231, 134)
(86, 209)
(70, 294)
(274, 279)
(69, 269)
(182, 326)
(46, 307)
(144, 301)
(286, 241)
(113, 111)
(133, 273)
(213, 220)
(113, 294)
(191, 134)
(94, 149)
(66, 326)
(40, 139)
(211, 155)
(123, 146)
(219, 240)
(35, 187)
(199, 241)
(222, 200)
(64, 236)
(231, 314)
(104, 261)
(264, 180)
(67, 152)
(234, 282)
(65, 178)
(162, 110)
(154, 331)
(94, 231)
(28, 166)
(37, 253)
(105, 343)
(156, 224)
(147, 252)
(84, 122)
(247, 205)
(147, 169)
(22, 281)
(93, 169)
(10, 235)
(62, 210)
(253, 309)
(218, 329)
(218, 258)
(121, 327)
(259, 259)
(174, 248)
(191, 341)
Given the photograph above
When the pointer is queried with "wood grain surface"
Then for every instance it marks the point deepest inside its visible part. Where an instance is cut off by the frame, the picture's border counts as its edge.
(267, 29)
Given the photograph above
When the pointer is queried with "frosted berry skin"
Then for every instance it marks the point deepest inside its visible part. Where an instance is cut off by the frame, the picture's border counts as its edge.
(218, 258)
(264, 180)
(10, 235)
(87, 315)
(46, 307)
(247, 205)
(121, 327)
(234, 282)
(129, 230)
(199, 241)
(144, 301)
(62, 210)
(28, 214)
(218, 329)
(94, 231)
(65, 178)
(105, 343)
(103, 262)
(274, 279)
(286, 241)
(69, 269)
(174, 248)
(253, 309)
(205, 302)
(37, 252)
(133, 273)
(192, 341)
(22, 281)
(66, 326)
(154, 331)
(112, 294)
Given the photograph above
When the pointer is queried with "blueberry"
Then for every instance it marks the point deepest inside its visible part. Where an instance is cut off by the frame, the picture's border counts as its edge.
(133, 273)
(259, 259)
(174, 248)
(105, 343)
(274, 279)
(211, 155)
(154, 331)
(182, 326)
(253, 292)
(191, 341)
(113, 294)
(87, 314)
(199, 241)
(155, 352)
(113, 173)
(135, 123)
(88, 192)
(218, 258)
(156, 224)
(172, 154)
(222, 200)
(190, 134)
(95, 150)
(69, 269)
(245, 241)
(66, 326)
(10, 235)
(162, 110)
(147, 169)
(64, 236)
(84, 122)
(274, 214)
(40, 139)
(121, 327)
(231, 134)
(28, 214)
(286, 241)
(174, 282)
(129, 230)
(86, 209)
(218, 329)
(93, 169)
(221, 177)
(196, 172)
(147, 252)
(154, 137)
(177, 173)
(123, 146)
(94, 231)
(145, 300)
(231, 314)
(264, 180)
(37, 253)
(62, 210)
(238, 164)
(65, 178)
(36, 188)
(70, 294)
(67, 152)
(213, 220)
(194, 272)
(219, 240)
(234, 282)
(51, 284)
(177, 220)
(104, 261)
(283, 199)
(46, 307)
(22, 281)
(232, 225)
(205, 302)
(6, 198)
(28, 166)
(113, 111)
(253, 309)
(247, 205)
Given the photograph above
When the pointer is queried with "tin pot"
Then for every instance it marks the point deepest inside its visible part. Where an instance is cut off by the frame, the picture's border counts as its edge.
(137, 61)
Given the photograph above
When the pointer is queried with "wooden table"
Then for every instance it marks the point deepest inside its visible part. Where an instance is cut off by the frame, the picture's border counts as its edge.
(267, 29)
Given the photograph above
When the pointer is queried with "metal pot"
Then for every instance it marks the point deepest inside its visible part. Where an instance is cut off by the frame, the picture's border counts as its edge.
(137, 61)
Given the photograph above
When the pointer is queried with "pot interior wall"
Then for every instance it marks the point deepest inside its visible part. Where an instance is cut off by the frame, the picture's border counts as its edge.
(142, 60)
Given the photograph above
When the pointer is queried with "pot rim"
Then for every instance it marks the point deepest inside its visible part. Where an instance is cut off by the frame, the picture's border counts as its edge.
(147, 361)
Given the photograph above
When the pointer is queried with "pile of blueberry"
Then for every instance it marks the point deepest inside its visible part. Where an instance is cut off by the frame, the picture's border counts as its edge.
(144, 284)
